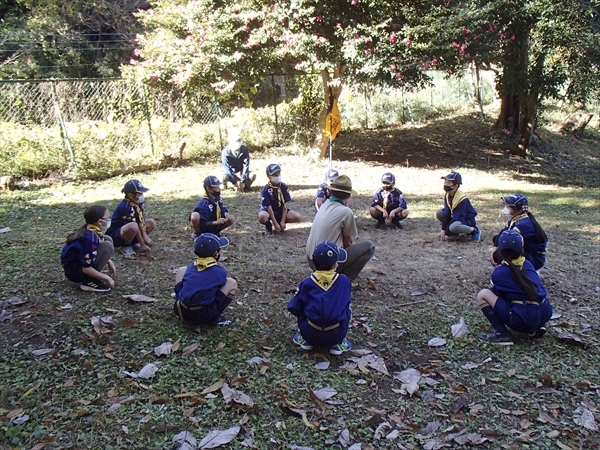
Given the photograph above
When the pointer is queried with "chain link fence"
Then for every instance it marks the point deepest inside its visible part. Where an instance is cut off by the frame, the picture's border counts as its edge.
(107, 126)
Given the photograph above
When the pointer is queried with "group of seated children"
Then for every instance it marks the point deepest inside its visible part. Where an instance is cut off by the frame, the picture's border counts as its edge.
(517, 298)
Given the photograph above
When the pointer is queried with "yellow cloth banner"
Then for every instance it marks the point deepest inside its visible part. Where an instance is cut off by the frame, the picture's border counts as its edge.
(333, 124)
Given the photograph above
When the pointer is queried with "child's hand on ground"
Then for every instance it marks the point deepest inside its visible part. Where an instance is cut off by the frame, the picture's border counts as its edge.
(144, 248)
(111, 268)
(282, 225)
(443, 236)
(277, 226)
(391, 216)
(109, 281)
(385, 215)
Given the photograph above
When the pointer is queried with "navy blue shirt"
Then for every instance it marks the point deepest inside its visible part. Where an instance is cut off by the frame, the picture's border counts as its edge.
(395, 199)
(275, 197)
(200, 287)
(123, 214)
(80, 253)
(534, 251)
(462, 212)
(323, 305)
(211, 209)
(505, 287)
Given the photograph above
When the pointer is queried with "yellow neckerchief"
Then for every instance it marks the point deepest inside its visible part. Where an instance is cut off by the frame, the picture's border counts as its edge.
(205, 263)
(279, 193)
(96, 229)
(516, 262)
(216, 201)
(139, 213)
(456, 199)
(515, 219)
(386, 196)
(325, 278)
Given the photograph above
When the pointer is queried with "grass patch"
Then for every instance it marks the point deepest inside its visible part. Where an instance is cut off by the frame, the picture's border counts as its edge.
(69, 393)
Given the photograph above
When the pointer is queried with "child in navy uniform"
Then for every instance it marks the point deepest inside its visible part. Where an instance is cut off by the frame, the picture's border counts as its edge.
(88, 250)
(516, 206)
(210, 215)
(130, 230)
(322, 193)
(203, 289)
(517, 298)
(322, 303)
(388, 203)
(275, 196)
(458, 215)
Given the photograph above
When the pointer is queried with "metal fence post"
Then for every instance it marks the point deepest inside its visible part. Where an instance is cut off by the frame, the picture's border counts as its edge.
(63, 128)
(275, 109)
(147, 114)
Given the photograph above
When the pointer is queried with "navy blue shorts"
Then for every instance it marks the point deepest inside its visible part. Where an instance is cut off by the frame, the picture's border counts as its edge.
(118, 241)
(202, 314)
(320, 338)
(521, 316)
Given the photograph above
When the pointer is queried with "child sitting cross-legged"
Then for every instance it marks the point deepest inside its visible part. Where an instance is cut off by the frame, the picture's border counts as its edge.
(322, 303)
(203, 289)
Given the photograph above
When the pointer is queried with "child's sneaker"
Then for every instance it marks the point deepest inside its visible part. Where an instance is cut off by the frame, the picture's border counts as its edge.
(539, 333)
(299, 340)
(94, 286)
(136, 247)
(476, 236)
(128, 251)
(379, 224)
(496, 338)
(269, 228)
(397, 224)
(340, 348)
(223, 321)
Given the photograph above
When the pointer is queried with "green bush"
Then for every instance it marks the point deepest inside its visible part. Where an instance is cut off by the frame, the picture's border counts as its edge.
(31, 151)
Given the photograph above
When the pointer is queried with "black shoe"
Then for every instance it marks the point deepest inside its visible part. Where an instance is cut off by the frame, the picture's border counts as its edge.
(379, 224)
(496, 338)
(269, 228)
(539, 333)
(94, 286)
(398, 225)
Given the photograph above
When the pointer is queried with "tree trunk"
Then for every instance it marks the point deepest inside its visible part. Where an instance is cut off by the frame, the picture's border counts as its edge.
(507, 120)
(476, 86)
(526, 125)
(332, 88)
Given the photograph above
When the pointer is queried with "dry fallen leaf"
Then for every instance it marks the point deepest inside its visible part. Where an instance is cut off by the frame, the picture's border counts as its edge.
(139, 298)
(216, 438)
(163, 349)
(436, 342)
(42, 351)
(459, 329)
(583, 417)
(190, 348)
(214, 387)
(184, 441)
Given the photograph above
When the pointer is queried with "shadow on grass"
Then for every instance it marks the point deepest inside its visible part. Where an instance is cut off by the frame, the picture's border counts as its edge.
(467, 141)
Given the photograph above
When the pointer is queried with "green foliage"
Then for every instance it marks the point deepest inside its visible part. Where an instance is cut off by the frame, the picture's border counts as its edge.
(31, 151)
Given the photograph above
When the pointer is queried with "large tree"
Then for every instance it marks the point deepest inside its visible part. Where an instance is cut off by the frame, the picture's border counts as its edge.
(226, 48)
(539, 49)
(75, 39)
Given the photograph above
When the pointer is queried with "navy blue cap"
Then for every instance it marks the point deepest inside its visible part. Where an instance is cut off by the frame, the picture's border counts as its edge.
(331, 174)
(326, 254)
(453, 176)
(207, 244)
(515, 200)
(273, 168)
(388, 178)
(133, 186)
(511, 240)
(212, 181)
